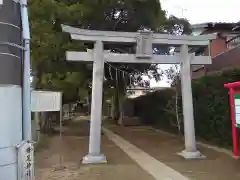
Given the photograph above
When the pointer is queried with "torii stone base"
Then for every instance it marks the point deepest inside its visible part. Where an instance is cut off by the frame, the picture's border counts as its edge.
(91, 159)
(191, 155)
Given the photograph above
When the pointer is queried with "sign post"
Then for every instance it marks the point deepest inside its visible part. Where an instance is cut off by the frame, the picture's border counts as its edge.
(49, 101)
(234, 100)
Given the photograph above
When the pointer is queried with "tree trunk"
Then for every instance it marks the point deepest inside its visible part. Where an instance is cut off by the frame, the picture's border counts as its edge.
(121, 101)
(38, 127)
(177, 113)
(89, 102)
(112, 108)
(116, 112)
(46, 123)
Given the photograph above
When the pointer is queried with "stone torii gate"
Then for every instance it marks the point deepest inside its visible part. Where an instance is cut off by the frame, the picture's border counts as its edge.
(144, 54)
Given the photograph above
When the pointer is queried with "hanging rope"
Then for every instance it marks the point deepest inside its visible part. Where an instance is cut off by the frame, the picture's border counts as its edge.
(132, 76)
(135, 70)
(116, 68)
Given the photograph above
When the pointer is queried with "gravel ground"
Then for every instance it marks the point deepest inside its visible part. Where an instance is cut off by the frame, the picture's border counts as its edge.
(216, 166)
(73, 147)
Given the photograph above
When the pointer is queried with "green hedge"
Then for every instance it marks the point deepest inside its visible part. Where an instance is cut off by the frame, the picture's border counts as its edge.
(211, 108)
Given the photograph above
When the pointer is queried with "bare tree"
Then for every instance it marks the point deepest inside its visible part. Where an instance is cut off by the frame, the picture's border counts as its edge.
(173, 76)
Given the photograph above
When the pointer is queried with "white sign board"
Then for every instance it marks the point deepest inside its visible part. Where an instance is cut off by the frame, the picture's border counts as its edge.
(42, 101)
(237, 102)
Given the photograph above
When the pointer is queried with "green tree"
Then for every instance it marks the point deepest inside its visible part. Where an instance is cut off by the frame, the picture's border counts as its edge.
(48, 47)
(49, 44)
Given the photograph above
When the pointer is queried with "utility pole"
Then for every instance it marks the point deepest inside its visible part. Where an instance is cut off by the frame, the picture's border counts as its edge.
(11, 53)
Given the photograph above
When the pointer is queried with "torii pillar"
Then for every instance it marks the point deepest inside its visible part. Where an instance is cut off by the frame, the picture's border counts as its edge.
(190, 151)
(94, 154)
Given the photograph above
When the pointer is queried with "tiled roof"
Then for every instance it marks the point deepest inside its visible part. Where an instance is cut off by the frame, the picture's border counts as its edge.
(237, 27)
(206, 24)
(215, 23)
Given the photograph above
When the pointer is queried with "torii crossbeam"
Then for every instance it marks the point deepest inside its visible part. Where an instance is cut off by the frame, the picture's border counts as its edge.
(144, 41)
(131, 58)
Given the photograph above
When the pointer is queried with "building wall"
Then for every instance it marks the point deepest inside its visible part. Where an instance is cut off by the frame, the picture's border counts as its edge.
(217, 46)
(229, 59)
(199, 73)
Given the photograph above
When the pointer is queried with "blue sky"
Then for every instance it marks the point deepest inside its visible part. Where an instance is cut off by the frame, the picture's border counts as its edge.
(199, 12)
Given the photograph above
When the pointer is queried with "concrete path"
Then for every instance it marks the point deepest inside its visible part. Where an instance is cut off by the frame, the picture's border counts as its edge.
(158, 170)
(164, 148)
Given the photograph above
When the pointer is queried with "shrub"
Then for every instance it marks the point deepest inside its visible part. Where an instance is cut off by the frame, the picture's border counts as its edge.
(211, 107)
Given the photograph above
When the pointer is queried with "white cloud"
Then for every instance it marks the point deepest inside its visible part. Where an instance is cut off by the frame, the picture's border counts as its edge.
(204, 11)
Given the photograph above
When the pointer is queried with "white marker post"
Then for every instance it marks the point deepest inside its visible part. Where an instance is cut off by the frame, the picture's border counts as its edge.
(144, 41)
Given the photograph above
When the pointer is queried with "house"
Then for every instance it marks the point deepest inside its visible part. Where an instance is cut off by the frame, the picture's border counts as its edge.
(224, 50)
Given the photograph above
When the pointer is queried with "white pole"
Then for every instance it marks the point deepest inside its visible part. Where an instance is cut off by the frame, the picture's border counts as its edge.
(60, 132)
(190, 151)
(95, 155)
(27, 130)
(61, 166)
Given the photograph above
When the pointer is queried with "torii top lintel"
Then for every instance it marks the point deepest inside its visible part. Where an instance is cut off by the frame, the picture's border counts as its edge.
(131, 37)
(232, 85)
